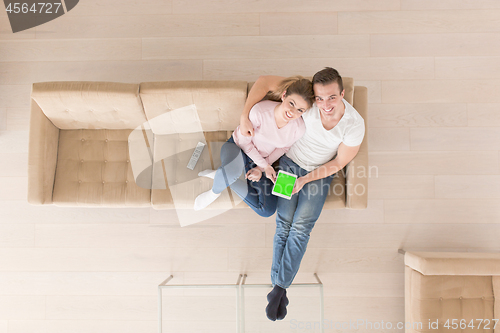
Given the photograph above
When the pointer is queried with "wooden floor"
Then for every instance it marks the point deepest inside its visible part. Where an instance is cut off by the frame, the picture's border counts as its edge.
(432, 69)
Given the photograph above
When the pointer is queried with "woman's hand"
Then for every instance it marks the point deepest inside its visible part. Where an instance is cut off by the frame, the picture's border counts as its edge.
(246, 127)
(298, 185)
(270, 173)
(254, 174)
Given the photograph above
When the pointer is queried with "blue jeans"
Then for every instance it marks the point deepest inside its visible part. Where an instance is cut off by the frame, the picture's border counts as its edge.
(257, 195)
(295, 219)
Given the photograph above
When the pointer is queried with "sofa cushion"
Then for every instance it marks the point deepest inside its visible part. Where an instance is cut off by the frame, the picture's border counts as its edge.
(94, 169)
(445, 297)
(90, 105)
(219, 103)
(176, 186)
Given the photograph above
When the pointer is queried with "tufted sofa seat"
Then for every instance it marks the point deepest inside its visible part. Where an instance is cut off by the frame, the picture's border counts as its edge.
(82, 135)
(442, 286)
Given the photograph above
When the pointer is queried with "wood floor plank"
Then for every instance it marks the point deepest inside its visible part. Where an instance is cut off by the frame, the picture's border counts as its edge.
(363, 284)
(71, 50)
(373, 213)
(17, 119)
(15, 96)
(469, 67)
(3, 118)
(361, 69)
(280, 24)
(152, 25)
(17, 235)
(369, 310)
(102, 307)
(18, 307)
(440, 91)
(401, 186)
(82, 283)
(14, 164)
(118, 7)
(14, 142)
(112, 259)
(389, 139)
(173, 326)
(126, 71)
(422, 211)
(455, 139)
(434, 237)
(254, 47)
(142, 235)
(14, 188)
(473, 186)
(228, 6)
(433, 163)
(418, 21)
(417, 115)
(22, 212)
(6, 30)
(83, 326)
(374, 90)
(322, 260)
(483, 114)
(435, 45)
(216, 308)
(449, 4)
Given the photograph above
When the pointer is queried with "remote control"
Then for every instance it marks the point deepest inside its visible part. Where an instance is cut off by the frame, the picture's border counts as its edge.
(196, 155)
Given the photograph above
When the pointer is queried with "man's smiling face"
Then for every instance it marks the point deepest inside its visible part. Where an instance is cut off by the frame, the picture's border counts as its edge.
(328, 97)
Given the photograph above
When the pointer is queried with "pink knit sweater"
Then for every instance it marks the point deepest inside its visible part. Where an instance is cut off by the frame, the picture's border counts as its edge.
(268, 142)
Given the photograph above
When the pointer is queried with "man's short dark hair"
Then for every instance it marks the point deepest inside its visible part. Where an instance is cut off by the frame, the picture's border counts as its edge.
(327, 76)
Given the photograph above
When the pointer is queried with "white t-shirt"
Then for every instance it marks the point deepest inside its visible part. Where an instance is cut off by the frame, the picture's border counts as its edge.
(318, 145)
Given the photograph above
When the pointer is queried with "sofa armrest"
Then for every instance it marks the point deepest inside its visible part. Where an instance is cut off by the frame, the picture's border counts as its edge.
(357, 170)
(454, 263)
(357, 182)
(42, 157)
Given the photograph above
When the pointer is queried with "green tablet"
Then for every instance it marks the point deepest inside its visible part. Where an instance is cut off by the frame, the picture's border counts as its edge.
(283, 186)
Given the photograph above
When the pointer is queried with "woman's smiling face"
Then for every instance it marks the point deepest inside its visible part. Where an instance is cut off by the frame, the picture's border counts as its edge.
(293, 106)
(328, 97)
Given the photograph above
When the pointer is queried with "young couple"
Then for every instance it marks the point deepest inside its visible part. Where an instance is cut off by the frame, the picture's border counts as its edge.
(316, 132)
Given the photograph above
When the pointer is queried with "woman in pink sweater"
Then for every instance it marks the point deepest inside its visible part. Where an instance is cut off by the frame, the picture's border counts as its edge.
(276, 127)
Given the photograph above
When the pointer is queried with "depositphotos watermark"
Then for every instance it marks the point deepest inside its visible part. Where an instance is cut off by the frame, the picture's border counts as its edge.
(449, 324)
(29, 13)
(354, 325)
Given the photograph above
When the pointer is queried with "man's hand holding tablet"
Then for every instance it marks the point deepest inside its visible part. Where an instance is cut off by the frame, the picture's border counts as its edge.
(284, 185)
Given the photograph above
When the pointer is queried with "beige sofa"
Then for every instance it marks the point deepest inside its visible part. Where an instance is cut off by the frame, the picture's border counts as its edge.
(443, 286)
(82, 135)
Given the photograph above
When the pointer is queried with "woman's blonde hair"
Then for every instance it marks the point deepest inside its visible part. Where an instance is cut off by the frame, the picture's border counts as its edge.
(293, 85)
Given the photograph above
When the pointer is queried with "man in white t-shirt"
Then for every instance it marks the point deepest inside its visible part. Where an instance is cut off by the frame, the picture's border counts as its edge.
(334, 132)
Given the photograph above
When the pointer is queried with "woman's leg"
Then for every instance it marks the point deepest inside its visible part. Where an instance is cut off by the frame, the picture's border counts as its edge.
(258, 195)
(232, 165)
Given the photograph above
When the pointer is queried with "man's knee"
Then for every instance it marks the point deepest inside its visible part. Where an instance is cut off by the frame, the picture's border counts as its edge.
(304, 226)
(283, 222)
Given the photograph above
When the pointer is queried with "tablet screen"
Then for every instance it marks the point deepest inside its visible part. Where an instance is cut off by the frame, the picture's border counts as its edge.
(283, 186)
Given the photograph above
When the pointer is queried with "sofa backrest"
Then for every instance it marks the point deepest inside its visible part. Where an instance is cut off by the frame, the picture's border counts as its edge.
(90, 105)
(218, 103)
